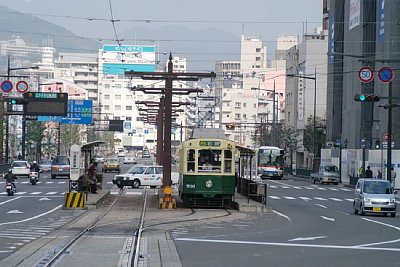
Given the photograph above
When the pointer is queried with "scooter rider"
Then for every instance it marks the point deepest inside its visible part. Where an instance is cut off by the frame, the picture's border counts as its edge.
(34, 166)
(10, 177)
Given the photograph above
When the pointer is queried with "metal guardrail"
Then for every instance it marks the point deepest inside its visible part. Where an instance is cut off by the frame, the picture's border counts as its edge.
(253, 190)
(302, 172)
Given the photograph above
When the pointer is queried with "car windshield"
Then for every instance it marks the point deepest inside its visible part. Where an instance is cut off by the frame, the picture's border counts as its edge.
(377, 187)
(137, 170)
(61, 161)
(45, 162)
(331, 169)
(112, 161)
(19, 164)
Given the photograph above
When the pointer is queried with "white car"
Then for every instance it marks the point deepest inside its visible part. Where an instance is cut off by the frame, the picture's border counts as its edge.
(129, 160)
(20, 168)
(142, 175)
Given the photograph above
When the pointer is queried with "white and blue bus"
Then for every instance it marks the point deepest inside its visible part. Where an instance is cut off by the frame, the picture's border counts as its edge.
(270, 162)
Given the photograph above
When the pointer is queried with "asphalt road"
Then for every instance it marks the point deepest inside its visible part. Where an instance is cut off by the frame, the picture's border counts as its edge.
(312, 225)
(35, 210)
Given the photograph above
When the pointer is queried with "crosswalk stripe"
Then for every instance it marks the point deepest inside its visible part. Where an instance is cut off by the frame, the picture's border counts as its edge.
(305, 198)
(333, 189)
(289, 197)
(272, 186)
(51, 193)
(335, 199)
(274, 197)
(321, 188)
(349, 199)
(49, 182)
(308, 187)
(320, 198)
(35, 193)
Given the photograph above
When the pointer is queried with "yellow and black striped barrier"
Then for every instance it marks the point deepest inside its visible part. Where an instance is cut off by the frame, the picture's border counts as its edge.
(167, 202)
(74, 200)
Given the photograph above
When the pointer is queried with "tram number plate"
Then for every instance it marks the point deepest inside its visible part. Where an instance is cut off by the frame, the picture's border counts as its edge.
(190, 186)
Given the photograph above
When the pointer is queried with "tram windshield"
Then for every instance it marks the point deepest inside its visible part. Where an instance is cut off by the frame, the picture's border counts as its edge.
(209, 160)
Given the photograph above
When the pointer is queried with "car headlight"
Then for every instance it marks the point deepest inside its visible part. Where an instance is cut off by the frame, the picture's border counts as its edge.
(367, 200)
(393, 200)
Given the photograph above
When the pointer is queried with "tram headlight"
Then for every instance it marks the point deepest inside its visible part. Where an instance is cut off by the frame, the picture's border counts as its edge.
(209, 184)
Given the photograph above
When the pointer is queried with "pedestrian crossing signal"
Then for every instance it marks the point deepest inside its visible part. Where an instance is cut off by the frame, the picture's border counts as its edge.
(17, 101)
(367, 98)
(377, 144)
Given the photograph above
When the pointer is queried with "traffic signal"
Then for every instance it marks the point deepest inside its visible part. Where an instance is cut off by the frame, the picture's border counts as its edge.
(230, 126)
(377, 144)
(17, 101)
(367, 98)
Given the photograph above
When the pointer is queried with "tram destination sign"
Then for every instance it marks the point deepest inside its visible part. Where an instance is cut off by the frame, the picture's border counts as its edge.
(210, 143)
(46, 104)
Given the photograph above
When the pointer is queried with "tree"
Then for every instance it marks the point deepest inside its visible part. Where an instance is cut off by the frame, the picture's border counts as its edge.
(290, 143)
(34, 137)
(320, 136)
(70, 135)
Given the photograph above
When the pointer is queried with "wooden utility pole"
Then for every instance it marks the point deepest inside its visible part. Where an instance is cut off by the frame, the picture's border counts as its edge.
(168, 92)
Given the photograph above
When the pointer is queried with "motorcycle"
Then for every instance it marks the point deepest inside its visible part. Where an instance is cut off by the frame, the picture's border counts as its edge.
(10, 188)
(33, 177)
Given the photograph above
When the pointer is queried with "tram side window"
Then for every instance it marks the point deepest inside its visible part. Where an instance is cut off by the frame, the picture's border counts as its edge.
(227, 161)
(190, 160)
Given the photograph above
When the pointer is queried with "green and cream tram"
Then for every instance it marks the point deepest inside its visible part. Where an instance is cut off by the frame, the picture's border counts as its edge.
(207, 172)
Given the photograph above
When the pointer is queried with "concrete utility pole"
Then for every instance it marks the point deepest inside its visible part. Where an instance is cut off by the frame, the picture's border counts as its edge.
(168, 91)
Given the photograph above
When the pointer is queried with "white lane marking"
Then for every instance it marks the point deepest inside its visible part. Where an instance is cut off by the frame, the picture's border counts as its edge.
(5, 251)
(308, 187)
(289, 197)
(19, 237)
(35, 193)
(282, 215)
(4, 202)
(21, 193)
(212, 227)
(14, 212)
(335, 199)
(384, 242)
(346, 189)
(344, 213)
(349, 199)
(62, 182)
(307, 238)
(321, 188)
(285, 187)
(327, 218)
(333, 189)
(320, 198)
(274, 197)
(272, 186)
(51, 193)
(44, 198)
(305, 198)
(322, 206)
(49, 182)
(34, 217)
(287, 244)
(297, 187)
(26, 182)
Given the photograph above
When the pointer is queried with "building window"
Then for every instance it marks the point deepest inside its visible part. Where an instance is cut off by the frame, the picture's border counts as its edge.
(117, 86)
(128, 107)
(139, 119)
(129, 97)
(237, 116)
(238, 105)
(244, 116)
(244, 105)
(258, 50)
(129, 118)
(254, 105)
(106, 107)
(118, 107)
(107, 86)
(117, 118)
(106, 96)
(237, 138)
(117, 97)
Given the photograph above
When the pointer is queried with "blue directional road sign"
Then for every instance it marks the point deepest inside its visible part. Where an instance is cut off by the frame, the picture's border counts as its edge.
(79, 112)
(385, 75)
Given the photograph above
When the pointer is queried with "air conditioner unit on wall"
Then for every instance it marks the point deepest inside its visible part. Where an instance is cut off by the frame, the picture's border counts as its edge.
(329, 144)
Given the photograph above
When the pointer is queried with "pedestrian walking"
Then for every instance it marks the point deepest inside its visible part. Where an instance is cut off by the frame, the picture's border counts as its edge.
(368, 173)
(379, 176)
(360, 171)
(393, 174)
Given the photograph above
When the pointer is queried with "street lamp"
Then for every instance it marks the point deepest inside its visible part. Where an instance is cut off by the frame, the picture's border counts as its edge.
(315, 101)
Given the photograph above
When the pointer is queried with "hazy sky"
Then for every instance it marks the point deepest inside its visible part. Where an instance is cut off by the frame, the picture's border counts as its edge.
(273, 17)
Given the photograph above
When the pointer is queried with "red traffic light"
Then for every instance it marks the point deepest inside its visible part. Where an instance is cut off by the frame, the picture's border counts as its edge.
(367, 98)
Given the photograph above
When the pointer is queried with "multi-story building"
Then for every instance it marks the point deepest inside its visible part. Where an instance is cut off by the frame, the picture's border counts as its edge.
(361, 33)
(246, 90)
(304, 95)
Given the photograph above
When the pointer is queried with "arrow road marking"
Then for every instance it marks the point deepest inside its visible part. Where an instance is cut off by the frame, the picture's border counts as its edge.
(14, 212)
(307, 238)
(327, 218)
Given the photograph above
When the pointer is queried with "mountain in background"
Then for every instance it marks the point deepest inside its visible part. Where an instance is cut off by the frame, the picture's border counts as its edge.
(201, 48)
